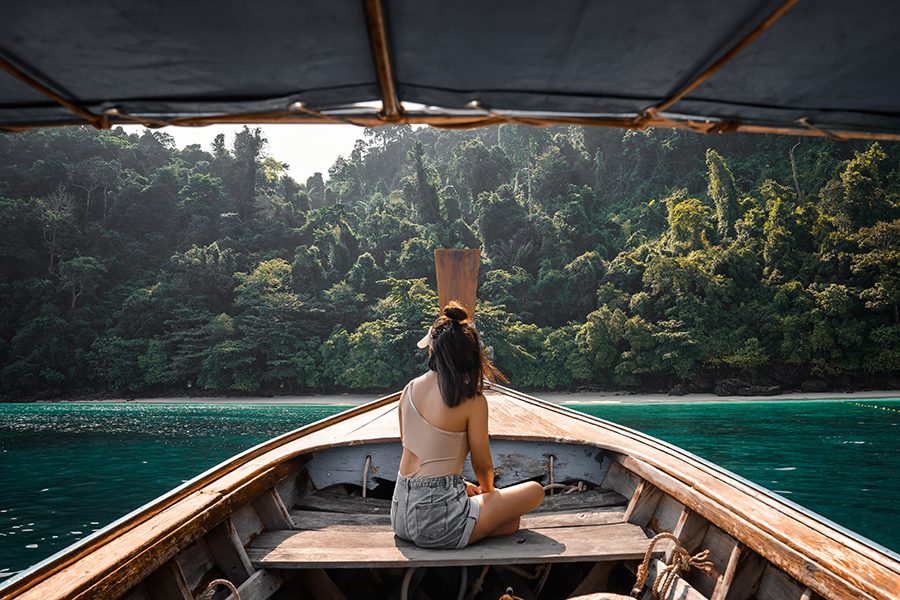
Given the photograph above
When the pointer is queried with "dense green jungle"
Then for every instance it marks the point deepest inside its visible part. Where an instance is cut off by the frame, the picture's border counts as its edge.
(647, 260)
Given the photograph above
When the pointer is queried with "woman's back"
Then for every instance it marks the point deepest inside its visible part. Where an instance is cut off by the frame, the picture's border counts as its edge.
(433, 433)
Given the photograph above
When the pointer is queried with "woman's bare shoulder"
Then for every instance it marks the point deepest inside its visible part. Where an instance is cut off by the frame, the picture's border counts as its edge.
(477, 403)
(418, 381)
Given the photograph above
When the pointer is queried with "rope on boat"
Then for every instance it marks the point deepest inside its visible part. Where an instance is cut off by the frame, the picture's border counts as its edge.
(522, 572)
(567, 489)
(210, 590)
(478, 584)
(553, 486)
(680, 562)
(543, 581)
(365, 477)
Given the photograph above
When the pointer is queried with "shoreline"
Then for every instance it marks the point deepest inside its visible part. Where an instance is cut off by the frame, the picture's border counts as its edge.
(563, 398)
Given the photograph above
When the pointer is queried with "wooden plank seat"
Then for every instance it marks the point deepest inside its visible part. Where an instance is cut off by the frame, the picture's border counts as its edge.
(334, 530)
(334, 521)
(342, 503)
(376, 546)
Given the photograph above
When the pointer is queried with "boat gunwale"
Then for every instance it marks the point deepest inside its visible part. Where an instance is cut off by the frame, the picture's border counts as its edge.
(68, 555)
(778, 501)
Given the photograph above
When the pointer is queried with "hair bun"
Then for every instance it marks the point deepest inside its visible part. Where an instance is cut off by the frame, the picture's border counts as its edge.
(454, 310)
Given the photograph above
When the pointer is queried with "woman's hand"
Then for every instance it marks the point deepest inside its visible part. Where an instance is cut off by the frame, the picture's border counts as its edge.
(472, 489)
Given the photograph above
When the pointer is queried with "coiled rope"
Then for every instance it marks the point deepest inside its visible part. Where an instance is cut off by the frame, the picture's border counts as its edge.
(553, 486)
(680, 562)
(210, 590)
(567, 489)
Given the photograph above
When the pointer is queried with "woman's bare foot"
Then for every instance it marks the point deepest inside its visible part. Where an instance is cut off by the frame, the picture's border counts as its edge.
(509, 528)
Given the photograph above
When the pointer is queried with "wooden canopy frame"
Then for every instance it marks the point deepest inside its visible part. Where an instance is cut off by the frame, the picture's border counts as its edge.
(393, 113)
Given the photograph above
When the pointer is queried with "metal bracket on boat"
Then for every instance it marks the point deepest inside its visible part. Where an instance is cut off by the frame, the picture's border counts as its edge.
(365, 474)
(552, 460)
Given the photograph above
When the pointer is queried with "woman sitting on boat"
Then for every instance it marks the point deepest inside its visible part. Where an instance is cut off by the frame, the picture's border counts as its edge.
(444, 417)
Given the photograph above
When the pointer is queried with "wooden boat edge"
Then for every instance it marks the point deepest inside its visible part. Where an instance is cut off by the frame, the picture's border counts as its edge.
(778, 501)
(68, 555)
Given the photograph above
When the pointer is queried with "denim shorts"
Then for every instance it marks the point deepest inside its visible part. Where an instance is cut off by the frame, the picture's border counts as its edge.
(433, 512)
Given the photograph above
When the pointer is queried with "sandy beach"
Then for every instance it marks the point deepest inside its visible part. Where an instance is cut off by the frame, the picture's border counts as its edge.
(555, 397)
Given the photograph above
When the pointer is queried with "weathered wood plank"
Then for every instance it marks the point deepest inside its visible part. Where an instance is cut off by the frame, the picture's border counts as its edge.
(595, 580)
(720, 546)
(666, 515)
(324, 549)
(159, 548)
(228, 552)
(643, 504)
(749, 571)
(329, 502)
(774, 550)
(195, 562)
(727, 577)
(168, 583)
(582, 500)
(138, 592)
(690, 529)
(621, 480)
(317, 584)
(311, 519)
(314, 519)
(260, 586)
(456, 272)
(341, 503)
(293, 486)
(634, 498)
(777, 585)
(272, 512)
(247, 523)
(574, 518)
(514, 461)
(680, 590)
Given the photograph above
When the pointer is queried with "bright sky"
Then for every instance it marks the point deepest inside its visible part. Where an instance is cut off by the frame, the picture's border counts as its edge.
(305, 148)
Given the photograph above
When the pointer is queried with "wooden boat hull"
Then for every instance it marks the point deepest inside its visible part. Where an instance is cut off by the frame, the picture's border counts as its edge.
(250, 520)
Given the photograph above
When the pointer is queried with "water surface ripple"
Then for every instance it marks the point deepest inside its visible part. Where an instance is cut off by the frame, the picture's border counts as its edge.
(67, 470)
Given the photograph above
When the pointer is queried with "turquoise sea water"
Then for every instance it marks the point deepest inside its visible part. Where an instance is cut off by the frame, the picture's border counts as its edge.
(69, 469)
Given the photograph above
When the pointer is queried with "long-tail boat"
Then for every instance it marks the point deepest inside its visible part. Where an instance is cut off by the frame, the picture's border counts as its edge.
(306, 515)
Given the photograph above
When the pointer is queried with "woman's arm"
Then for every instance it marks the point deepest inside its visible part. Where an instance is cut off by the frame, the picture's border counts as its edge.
(479, 444)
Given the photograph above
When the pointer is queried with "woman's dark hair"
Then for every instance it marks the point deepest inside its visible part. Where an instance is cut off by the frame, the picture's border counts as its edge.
(457, 356)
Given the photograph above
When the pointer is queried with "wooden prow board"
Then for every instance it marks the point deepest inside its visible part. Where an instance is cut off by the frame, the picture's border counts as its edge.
(457, 276)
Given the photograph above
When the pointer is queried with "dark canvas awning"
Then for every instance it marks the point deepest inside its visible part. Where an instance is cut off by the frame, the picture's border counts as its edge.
(816, 67)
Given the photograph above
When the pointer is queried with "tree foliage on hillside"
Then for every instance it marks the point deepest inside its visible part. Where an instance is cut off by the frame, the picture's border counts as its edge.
(639, 259)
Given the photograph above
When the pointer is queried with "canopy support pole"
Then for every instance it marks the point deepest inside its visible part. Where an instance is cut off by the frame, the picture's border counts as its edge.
(97, 121)
(390, 104)
(687, 87)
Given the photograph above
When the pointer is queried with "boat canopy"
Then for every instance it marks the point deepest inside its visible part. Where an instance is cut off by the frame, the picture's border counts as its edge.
(809, 67)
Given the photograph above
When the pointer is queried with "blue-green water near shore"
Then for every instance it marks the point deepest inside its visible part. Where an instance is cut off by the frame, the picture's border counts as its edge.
(69, 469)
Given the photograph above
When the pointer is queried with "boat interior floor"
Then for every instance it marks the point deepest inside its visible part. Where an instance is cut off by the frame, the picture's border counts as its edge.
(333, 530)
